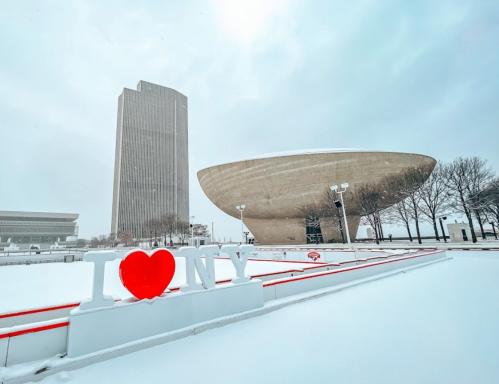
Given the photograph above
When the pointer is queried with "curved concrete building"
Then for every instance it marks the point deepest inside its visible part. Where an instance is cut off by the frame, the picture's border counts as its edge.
(274, 187)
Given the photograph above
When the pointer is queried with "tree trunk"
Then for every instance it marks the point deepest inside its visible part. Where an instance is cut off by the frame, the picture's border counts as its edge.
(376, 234)
(479, 218)
(417, 231)
(375, 227)
(468, 216)
(408, 231)
(381, 230)
(416, 220)
(470, 222)
(378, 225)
(435, 228)
(341, 230)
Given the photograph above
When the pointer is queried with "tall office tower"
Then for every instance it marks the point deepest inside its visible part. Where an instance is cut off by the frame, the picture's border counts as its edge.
(151, 171)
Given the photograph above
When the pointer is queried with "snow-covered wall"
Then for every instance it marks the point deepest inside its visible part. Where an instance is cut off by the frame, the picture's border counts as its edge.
(325, 256)
(129, 321)
(277, 289)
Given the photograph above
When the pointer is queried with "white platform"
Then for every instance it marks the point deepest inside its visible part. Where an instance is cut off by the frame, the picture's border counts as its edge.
(128, 321)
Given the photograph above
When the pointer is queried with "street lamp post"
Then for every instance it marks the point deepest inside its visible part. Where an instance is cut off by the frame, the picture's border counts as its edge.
(192, 229)
(442, 226)
(334, 188)
(339, 205)
(240, 208)
(493, 228)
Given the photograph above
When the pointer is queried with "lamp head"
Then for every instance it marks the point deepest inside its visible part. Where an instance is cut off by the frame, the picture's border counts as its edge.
(344, 185)
(334, 188)
(243, 206)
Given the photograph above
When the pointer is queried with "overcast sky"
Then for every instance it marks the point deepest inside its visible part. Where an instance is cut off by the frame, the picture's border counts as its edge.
(261, 76)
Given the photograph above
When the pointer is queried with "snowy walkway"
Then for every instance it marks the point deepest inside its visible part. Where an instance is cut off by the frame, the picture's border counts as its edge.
(436, 324)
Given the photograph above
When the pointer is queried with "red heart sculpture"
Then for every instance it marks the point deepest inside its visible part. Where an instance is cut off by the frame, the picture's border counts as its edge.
(147, 277)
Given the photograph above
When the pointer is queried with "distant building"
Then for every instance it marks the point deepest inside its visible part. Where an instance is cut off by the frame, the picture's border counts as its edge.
(151, 172)
(36, 227)
(459, 232)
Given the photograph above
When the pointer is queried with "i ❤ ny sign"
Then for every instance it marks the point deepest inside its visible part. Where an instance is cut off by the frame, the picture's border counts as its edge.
(148, 276)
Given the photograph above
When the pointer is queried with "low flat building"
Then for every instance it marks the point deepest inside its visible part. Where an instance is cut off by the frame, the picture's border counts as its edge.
(459, 232)
(36, 227)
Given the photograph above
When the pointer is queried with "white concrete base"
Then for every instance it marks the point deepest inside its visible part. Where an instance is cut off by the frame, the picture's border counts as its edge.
(129, 321)
(36, 346)
(4, 344)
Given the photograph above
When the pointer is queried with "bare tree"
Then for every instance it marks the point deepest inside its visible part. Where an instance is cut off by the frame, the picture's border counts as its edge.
(125, 238)
(183, 230)
(333, 212)
(433, 196)
(395, 193)
(399, 213)
(368, 199)
(456, 179)
(313, 213)
(103, 240)
(80, 243)
(480, 179)
(111, 240)
(467, 179)
(153, 228)
(94, 242)
(168, 224)
(200, 230)
(404, 187)
(491, 196)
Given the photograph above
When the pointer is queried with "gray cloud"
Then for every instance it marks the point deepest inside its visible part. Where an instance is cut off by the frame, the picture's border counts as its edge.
(417, 77)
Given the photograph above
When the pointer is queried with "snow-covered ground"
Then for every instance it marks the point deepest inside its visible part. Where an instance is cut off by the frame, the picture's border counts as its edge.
(436, 324)
(42, 285)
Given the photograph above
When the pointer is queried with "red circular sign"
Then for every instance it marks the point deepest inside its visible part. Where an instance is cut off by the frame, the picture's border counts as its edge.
(314, 255)
(147, 276)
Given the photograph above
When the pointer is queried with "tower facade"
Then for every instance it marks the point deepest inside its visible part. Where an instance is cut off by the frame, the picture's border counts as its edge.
(151, 171)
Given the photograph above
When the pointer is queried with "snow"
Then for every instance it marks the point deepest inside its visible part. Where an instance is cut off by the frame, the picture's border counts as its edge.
(41, 285)
(435, 324)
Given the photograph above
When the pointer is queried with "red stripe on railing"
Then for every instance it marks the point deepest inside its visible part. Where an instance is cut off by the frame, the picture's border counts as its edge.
(38, 310)
(290, 261)
(36, 329)
(277, 273)
(277, 261)
(325, 265)
(344, 270)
